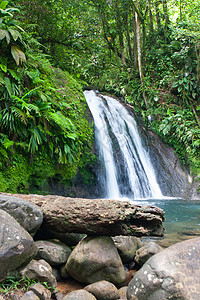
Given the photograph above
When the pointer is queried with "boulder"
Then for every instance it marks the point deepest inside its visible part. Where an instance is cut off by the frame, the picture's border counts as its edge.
(145, 252)
(172, 273)
(39, 270)
(103, 290)
(123, 292)
(42, 292)
(30, 296)
(55, 253)
(79, 295)
(27, 214)
(127, 246)
(95, 259)
(16, 245)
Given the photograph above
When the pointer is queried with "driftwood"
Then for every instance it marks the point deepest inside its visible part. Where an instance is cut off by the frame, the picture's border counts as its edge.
(98, 216)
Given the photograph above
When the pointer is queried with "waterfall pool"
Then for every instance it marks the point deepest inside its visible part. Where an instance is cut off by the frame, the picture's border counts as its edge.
(182, 219)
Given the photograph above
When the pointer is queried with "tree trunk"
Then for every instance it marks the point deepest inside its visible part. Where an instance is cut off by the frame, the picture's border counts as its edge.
(120, 33)
(156, 3)
(150, 17)
(135, 41)
(98, 216)
(139, 56)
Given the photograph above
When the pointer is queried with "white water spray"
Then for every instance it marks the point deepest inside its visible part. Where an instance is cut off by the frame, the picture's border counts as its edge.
(130, 173)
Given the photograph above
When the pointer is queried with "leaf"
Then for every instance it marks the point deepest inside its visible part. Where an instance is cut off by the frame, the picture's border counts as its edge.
(8, 85)
(7, 143)
(14, 74)
(18, 55)
(3, 64)
(15, 34)
(3, 4)
(4, 34)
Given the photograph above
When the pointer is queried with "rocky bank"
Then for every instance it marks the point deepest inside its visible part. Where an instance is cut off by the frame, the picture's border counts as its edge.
(107, 267)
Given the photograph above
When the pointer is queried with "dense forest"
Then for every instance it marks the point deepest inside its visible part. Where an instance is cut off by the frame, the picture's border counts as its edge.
(146, 52)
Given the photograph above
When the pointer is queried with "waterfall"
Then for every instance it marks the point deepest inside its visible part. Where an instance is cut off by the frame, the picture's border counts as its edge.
(127, 169)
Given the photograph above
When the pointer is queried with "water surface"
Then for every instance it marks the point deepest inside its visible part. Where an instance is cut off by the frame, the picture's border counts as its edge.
(182, 219)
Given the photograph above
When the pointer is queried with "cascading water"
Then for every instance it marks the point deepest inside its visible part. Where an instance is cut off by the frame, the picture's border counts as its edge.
(128, 171)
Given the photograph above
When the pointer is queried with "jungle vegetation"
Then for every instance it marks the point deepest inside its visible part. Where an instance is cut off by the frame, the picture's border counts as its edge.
(145, 51)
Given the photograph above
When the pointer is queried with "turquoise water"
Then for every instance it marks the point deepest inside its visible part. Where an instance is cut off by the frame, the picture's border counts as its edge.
(182, 219)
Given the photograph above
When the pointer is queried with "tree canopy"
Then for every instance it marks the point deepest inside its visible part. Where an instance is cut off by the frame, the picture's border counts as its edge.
(145, 51)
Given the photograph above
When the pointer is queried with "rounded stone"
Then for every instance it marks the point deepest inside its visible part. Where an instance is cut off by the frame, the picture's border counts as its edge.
(95, 259)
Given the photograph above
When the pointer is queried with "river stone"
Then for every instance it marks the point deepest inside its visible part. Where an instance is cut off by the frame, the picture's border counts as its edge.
(42, 292)
(39, 270)
(145, 252)
(103, 290)
(70, 239)
(95, 259)
(127, 246)
(27, 214)
(123, 292)
(79, 295)
(30, 296)
(55, 253)
(172, 273)
(16, 244)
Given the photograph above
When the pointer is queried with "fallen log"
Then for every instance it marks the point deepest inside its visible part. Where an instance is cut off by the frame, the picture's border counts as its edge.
(98, 216)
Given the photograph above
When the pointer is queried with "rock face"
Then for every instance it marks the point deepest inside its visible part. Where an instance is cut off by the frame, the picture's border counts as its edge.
(54, 253)
(28, 215)
(95, 259)
(172, 177)
(16, 244)
(172, 273)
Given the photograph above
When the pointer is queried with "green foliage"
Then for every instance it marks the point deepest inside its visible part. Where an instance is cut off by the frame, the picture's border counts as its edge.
(12, 284)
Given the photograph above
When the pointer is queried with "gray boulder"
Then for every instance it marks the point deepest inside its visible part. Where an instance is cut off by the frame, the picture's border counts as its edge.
(95, 259)
(103, 290)
(42, 292)
(16, 245)
(55, 253)
(30, 296)
(79, 295)
(68, 238)
(145, 252)
(127, 246)
(39, 270)
(27, 214)
(123, 292)
(172, 273)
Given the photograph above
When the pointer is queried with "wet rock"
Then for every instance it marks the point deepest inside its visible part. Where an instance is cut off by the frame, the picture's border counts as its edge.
(95, 259)
(42, 292)
(16, 245)
(55, 253)
(127, 246)
(145, 252)
(39, 270)
(27, 214)
(103, 290)
(30, 295)
(79, 295)
(172, 273)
